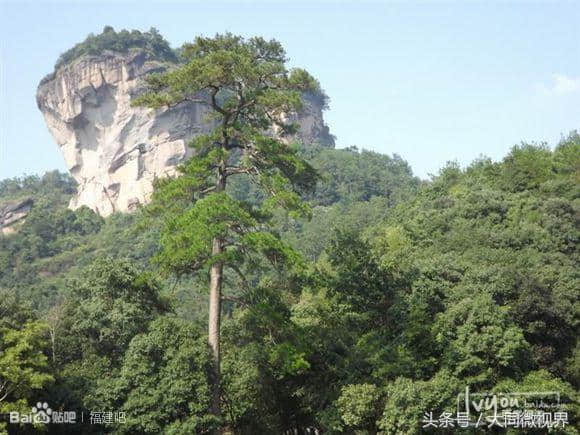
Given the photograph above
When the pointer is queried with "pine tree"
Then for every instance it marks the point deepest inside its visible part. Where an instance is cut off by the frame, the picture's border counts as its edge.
(250, 95)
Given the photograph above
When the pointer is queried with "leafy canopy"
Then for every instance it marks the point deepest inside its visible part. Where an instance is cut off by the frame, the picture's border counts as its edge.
(24, 367)
(248, 94)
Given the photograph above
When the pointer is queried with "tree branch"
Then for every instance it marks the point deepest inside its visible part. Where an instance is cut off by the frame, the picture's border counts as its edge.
(214, 103)
(234, 300)
(233, 170)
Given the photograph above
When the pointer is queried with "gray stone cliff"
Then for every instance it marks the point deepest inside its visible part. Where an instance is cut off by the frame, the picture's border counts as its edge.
(13, 213)
(115, 151)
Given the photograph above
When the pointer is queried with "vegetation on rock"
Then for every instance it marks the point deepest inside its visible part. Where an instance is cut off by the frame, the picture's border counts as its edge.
(151, 42)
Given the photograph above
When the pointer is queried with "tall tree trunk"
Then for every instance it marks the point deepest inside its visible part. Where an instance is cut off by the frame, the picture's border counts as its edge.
(215, 299)
(215, 303)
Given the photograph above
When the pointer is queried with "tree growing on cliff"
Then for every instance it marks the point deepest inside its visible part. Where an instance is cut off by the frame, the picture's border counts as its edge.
(250, 93)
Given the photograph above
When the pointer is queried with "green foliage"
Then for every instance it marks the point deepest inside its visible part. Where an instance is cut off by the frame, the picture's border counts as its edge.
(356, 191)
(526, 167)
(151, 42)
(408, 401)
(471, 283)
(50, 229)
(267, 358)
(539, 381)
(485, 283)
(53, 185)
(24, 368)
(484, 242)
(479, 341)
(353, 175)
(220, 64)
(187, 239)
(111, 304)
(358, 280)
(164, 382)
(247, 87)
(359, 406)
(567, 156)
(102, 311)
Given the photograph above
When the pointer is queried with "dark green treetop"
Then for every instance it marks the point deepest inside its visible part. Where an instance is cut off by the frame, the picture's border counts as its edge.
(249, 93)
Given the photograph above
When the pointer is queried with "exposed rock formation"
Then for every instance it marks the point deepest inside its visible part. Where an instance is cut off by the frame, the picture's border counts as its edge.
(115, 151)
(12, 213)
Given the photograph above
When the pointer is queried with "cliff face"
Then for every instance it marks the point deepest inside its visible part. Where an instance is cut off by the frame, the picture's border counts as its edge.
(13, 213)
(115, 151)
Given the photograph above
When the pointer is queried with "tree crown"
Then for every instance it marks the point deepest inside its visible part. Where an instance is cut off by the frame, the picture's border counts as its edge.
(250, 97)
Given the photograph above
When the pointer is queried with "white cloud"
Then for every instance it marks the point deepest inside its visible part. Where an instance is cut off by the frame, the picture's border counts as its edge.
(563, 84)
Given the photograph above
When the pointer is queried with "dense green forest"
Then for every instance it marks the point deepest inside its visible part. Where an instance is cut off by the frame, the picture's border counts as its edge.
(408, 292)
(354, 297)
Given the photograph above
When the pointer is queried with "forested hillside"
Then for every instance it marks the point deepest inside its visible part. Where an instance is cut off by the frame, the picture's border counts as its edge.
(55, 242)
(402, 293)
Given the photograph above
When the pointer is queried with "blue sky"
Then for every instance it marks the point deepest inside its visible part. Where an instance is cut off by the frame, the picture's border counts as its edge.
(430, 81)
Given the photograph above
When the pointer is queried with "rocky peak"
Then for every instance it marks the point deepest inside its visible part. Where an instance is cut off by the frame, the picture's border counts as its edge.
(13, 213)
(115, 151)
